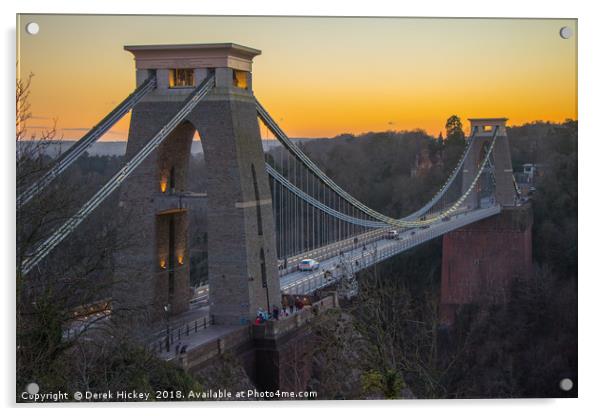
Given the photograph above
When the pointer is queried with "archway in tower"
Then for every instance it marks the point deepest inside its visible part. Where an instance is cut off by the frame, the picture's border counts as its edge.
(485, 185)
(182, 231)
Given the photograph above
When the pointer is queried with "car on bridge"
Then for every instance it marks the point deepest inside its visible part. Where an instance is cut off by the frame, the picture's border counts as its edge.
(308, 265)
(393, 235)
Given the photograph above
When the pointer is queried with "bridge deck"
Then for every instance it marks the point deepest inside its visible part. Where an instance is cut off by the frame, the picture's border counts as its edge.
(358, 258)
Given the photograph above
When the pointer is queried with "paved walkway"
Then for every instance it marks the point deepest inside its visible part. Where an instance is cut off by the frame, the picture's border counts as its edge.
(203, 336)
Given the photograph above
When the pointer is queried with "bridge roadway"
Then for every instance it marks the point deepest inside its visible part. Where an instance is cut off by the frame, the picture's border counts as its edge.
(337, 259)
(360, 256)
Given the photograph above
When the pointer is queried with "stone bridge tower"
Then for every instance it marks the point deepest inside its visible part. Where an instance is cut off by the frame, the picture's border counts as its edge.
(483, 129)
(482, 260)
(153, 266)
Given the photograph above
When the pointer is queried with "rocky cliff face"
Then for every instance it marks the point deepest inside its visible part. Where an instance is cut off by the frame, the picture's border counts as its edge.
(226, 374)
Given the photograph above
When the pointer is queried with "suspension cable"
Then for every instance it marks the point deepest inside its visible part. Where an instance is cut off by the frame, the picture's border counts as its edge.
(299, 155)
(78, 149)
(64, 230)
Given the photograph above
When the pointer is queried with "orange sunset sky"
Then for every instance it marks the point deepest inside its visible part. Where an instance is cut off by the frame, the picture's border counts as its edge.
(318, 77)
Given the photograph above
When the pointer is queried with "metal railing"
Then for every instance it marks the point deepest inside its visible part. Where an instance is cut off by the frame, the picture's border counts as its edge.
(178, 331)
(330, 250)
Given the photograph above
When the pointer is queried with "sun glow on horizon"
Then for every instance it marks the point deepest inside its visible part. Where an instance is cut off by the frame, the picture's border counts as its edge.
(318, 77)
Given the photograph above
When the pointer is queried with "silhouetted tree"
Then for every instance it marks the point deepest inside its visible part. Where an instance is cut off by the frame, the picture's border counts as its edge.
(453, 129)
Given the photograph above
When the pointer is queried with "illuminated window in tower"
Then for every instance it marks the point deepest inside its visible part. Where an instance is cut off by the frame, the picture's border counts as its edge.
(181, 78)
(240, 79)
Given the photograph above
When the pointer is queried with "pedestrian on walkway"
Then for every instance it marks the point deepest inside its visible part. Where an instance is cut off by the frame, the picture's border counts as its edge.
(261, 315)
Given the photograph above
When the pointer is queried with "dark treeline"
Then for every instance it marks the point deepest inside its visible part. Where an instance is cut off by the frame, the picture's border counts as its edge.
(376, 168)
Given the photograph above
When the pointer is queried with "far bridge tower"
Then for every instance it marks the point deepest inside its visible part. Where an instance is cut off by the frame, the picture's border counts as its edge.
(481, 260)
(482, 130)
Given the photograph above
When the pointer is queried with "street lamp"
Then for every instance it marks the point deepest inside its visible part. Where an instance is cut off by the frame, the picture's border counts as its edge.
(264, 280)
(264, 284)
